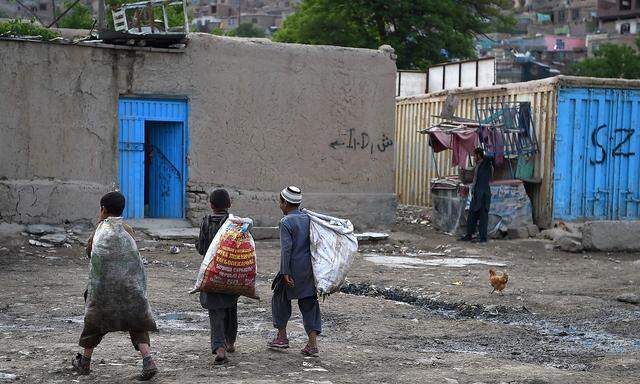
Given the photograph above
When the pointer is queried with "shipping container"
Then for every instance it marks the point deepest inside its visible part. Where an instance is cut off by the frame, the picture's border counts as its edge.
(588, 161)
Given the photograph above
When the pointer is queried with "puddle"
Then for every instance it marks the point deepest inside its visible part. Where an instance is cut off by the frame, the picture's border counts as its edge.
(414, 262)
(183, 321)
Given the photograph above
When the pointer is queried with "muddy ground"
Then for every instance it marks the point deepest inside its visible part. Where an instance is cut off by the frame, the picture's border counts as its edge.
(411, 313)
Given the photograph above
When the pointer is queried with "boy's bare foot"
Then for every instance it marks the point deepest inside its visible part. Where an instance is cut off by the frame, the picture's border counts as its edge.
(221, 357)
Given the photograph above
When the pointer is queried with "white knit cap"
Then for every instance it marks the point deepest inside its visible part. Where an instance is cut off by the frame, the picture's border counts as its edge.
(292, 195)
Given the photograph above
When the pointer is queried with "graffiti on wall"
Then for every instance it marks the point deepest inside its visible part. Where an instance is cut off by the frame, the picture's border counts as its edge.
(601, 157)
(361, 142)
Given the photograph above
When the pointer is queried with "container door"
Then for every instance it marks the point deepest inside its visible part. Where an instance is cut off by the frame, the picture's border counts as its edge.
(131, 165)
(624, 158)
(596, 159)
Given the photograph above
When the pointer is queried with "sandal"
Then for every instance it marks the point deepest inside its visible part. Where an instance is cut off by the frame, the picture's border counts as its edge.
(220, 360)
(230, 348)
(310, 351)
(80, 365)
(278, 343)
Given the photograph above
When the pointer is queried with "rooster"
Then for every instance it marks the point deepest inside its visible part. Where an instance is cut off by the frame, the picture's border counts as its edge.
(498, 282)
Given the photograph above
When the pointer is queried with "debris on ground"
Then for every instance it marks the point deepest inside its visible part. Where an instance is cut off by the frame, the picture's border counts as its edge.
(55, 238)
(629, 298)
(43, 229)
(174, 250)
(569, 244)
(37, 243)
(371, 236)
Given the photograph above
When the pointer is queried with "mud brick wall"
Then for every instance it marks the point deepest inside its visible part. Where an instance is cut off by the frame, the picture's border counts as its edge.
(262, 115)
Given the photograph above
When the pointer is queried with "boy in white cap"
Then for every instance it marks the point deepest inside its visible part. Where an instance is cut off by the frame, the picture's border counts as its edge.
(295, 278)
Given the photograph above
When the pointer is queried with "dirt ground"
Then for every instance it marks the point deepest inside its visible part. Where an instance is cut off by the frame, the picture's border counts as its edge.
(413, 311)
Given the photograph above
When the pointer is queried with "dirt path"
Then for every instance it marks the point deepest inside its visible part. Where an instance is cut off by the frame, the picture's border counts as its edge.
(400, 320)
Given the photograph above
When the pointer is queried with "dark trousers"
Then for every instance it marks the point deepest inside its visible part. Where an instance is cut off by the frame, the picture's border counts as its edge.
(281, 310)
(90, 338)
(481, 215)
(224, 326)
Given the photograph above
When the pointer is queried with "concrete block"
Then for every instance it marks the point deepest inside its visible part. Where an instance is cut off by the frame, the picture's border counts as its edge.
(611, 236)
(533, 230)
(518, 233)
(265, 233)
(174, 233)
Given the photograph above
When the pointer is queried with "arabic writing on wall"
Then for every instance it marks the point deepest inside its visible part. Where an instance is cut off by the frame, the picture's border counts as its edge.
(361, 142)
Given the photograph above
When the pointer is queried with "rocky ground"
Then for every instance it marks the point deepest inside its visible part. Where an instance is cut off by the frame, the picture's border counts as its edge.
(417, 308)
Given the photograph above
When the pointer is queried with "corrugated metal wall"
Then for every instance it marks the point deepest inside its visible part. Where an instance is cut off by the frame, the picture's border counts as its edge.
(414, 161)
(596, 172)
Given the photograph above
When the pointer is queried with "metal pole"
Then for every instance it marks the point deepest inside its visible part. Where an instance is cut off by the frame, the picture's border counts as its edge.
(101, 16)
(165, 18)
(63, 13)
(186, 16)
(53, 12)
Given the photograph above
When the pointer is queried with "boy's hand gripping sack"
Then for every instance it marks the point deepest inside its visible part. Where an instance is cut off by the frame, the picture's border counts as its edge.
(229, 266)
(333, 249)
(117, 291)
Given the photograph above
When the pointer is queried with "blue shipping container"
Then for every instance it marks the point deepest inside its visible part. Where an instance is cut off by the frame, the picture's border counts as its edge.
(597, 154)
(153, 141)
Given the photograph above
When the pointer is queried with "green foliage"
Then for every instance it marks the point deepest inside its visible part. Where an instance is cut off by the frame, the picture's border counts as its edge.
(218, 32)
(610, 61)
(246, 30)
(79, 17)
(418, 29)
(20, 28)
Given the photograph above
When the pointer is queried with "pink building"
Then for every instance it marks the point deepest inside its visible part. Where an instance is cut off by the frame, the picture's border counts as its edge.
(564, 43)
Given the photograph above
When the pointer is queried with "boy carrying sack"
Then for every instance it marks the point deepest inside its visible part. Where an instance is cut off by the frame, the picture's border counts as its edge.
(227, 271)
(116, 298)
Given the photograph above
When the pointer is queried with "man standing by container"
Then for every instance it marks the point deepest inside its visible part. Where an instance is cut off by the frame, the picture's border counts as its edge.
(295, 278)
(481, 196)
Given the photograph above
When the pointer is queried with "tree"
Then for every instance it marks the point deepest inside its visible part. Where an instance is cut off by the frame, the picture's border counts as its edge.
(79, 17)
(246, 30)
(421, 31)
(611, 61)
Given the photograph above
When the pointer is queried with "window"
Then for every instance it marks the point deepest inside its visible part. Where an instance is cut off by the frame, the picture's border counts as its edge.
(625, 28)
(625, 5)
(214, 9)
(43, 6)
(559, 45)
(254, 20)
(562, 17)
(575, 13)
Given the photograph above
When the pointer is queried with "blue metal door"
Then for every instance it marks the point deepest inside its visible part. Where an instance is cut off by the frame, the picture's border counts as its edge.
(131, 165)
(163, 173)
(597, 154)
(165, 169)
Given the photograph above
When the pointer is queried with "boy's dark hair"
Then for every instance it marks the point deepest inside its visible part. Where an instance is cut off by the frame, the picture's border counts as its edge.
(288, 203)
(479, 151)
(113, 202)
(220, 199)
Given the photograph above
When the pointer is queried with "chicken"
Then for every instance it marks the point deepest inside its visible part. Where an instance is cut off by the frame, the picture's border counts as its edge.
(498, 282)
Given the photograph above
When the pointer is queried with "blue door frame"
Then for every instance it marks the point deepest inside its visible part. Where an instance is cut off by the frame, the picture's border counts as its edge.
(167, 119)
